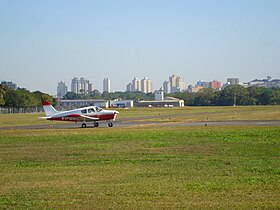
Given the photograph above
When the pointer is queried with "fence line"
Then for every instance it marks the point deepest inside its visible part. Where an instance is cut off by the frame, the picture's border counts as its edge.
(6, 110)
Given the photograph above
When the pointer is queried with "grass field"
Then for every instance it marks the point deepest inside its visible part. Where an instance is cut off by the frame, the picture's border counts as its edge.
(143, 168)
(185, 114)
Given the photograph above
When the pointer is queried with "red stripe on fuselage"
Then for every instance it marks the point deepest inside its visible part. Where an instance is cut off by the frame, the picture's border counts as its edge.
(105, 116)
(77, 117)
(74, 115)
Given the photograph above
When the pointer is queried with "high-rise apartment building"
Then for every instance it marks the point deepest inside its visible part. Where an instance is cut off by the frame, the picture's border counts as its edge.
(84, 86)
(146, 85)
(215, 84)
(180, 83)
(129, 87)
(173, 86)
(75, 85)
(166, 87)
(90, 88)
(81, 86)
(106, 85)
(206, 85)
(136, 84)
(177, 84)
(10, 85)
(150, 86)
(200, 83)
(194, 89)
(233, 81)
(61, 89)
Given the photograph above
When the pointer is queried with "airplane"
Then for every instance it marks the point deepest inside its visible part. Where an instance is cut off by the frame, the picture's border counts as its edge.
(84, 115)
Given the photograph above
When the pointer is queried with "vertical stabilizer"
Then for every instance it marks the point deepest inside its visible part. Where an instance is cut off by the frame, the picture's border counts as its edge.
(49, 109)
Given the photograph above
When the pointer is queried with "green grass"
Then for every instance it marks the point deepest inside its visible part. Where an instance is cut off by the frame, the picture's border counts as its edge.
(185, 114)
(141, 168)
(8, 120)
(198, 114)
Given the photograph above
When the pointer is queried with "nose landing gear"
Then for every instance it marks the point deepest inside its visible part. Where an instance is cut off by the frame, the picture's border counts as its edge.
(110, 124)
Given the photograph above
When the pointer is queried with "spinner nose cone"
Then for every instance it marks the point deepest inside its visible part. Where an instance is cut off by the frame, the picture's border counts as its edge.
(116, 112)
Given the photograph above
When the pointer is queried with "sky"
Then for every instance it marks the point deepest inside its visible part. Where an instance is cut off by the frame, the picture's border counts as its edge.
(44, 42)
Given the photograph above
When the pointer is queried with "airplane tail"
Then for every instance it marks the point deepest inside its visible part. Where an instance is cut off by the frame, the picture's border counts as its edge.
(48, 108)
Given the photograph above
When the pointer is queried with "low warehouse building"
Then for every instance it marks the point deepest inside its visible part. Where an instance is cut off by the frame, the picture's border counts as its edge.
(121, 103)
(77, 103)
(165, 103)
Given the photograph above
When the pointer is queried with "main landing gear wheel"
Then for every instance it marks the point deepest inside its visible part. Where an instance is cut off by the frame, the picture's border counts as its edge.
(96, 124)
(84, 125)
(110, 124)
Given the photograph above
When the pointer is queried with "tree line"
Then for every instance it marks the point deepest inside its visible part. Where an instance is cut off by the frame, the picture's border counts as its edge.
(22, 98)
(232, 95)
(111, 96)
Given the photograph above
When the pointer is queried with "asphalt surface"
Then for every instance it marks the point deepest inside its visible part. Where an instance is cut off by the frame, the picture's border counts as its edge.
(129, 123)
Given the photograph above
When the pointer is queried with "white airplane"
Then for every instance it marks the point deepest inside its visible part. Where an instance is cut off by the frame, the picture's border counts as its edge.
(84, 115)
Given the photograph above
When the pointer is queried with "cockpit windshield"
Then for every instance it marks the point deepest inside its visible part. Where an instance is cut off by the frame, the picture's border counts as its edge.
(98, 109)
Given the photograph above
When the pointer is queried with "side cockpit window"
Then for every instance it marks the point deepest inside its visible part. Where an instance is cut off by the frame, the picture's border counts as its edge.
(98, 109)
(84, 111)
(91, 110)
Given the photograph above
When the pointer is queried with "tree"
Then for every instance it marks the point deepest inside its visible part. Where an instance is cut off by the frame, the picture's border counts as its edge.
(266, 96)
(26, 99)
(71, 95)
(42, 97)
(105, 95)
(95, 94)
(12, 99)
(186, 96)
(276, 96)
(206, 97)
(261, 95)
(3, 90)
(234, 95)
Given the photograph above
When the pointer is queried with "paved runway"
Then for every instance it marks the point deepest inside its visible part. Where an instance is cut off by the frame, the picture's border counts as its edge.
(128, 123)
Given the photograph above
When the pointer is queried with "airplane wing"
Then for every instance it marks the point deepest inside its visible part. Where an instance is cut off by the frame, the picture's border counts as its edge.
(82, 117)
(73, 117)
(89, 118)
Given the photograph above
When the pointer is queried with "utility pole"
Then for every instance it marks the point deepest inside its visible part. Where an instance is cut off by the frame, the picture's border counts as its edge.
(234, 98)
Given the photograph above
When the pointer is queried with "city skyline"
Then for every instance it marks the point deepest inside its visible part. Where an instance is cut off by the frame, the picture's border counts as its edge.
(85, 87)
(100, 87)
(210, 40)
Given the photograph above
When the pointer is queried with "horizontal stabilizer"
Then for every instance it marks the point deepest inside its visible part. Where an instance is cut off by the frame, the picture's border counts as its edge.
(44, 117)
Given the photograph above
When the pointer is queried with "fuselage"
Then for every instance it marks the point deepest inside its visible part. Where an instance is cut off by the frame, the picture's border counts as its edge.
(96, 113)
